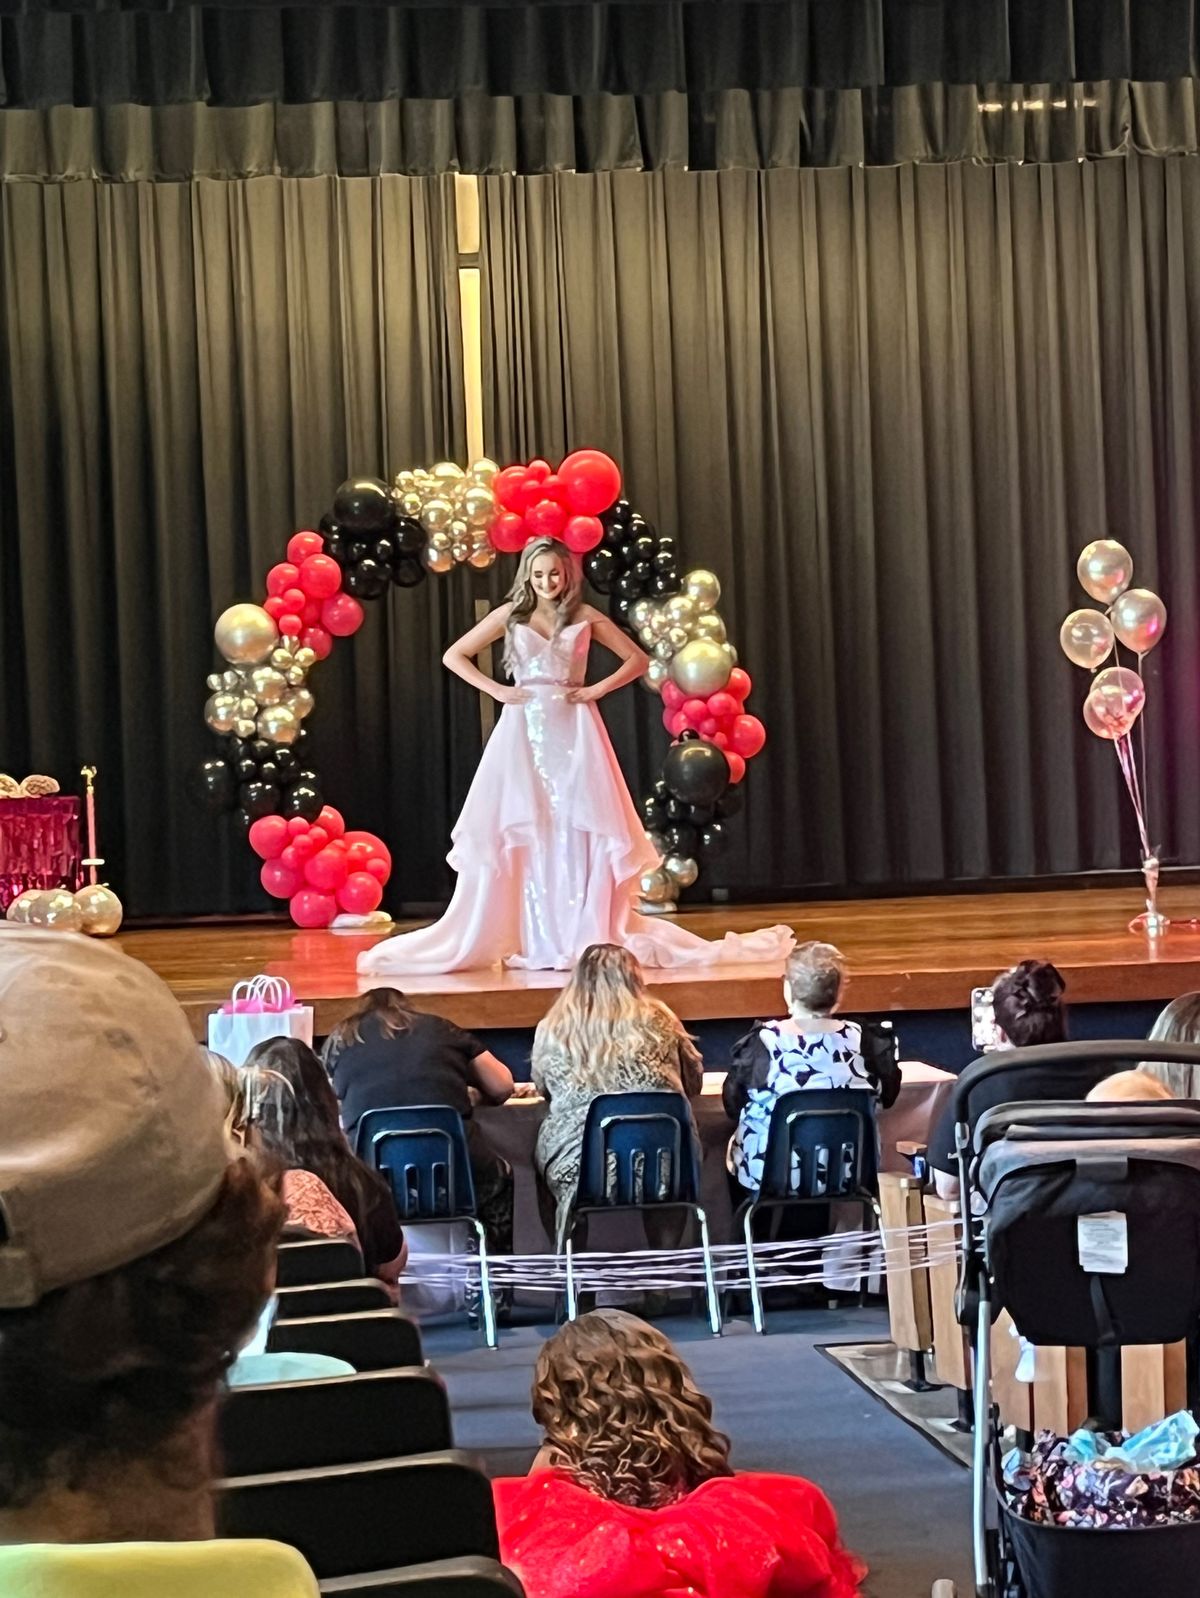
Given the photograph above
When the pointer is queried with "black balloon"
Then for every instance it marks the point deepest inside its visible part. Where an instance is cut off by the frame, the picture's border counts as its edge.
(654, 812)
(713, 839)
(664, 562)
(213, 785)
(364, 504)
(356, 550)
(689, 735)
(366, 579)
(330, 526)
(303, 798)
(245, 768)
(643, 571)
(601, 568)
(615, 536)
(285, 762)
(409, 535)
(618, 515)
(261, 749)
(660, 789)
(268, 771)
(681, 838)
(408, 572)
(644, 547)
(384, 550)
(258, 799)
(700, 815)
(677, 810)
(664, 584)
(697, 772)
(629, 586)
(731, 802)
(618, 609)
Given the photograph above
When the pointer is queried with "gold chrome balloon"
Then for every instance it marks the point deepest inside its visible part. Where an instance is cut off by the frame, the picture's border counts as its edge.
(245, 634)
(100, 910)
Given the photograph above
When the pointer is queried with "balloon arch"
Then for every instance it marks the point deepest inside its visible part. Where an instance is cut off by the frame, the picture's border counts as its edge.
(430, 522)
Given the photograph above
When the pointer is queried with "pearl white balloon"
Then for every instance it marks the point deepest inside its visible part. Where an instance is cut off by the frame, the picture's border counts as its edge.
(245, 634)
(56, 908)
(1139, 619)
(1105, 569)
(702, 587)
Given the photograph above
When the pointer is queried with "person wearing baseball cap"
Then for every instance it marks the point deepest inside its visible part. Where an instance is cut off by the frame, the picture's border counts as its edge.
(136, 1251)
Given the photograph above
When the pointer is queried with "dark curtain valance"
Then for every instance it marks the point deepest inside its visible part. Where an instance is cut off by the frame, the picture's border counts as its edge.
(161, 54)
(600, 133)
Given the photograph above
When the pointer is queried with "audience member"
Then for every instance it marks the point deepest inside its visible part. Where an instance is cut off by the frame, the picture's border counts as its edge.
(603, 1034)
(632, 1491)
(296, 1121)
(135, 1256)
(1028, 1007)
(1179, 1022)
(386, 1053)
(809, 1049)
(1131, 1086)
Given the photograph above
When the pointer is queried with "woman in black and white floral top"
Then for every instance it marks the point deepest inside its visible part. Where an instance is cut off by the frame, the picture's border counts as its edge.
(811, 1048)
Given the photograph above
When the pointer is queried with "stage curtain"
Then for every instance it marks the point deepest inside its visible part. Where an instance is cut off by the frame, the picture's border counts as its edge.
(155, 54)
(887, 407)
(188, 371)
(531, 133)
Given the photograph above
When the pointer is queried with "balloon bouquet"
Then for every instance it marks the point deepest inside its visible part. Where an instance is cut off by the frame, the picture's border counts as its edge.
(428, 522)
(1137, 618)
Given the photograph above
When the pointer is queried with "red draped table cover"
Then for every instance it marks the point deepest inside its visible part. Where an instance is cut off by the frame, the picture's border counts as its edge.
(39, 845)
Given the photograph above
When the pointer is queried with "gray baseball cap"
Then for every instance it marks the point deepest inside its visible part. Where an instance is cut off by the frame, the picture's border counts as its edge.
(111, 1125)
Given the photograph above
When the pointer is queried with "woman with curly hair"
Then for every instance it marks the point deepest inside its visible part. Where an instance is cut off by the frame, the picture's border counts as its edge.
(632, 1493)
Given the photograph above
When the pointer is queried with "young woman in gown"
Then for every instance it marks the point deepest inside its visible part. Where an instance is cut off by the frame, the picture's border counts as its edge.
(549, 847)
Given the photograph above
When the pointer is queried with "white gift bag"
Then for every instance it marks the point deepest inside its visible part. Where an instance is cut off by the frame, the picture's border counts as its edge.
(257, 1010)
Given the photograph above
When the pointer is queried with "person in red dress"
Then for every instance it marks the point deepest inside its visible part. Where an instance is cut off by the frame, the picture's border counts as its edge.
(632, 1494)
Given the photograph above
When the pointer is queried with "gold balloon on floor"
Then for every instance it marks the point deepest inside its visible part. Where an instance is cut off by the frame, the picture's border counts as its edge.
(100, 910)
(20, 907)
(56, 908)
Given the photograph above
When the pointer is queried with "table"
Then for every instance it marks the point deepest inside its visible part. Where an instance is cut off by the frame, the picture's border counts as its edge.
(39, 845)
(511, 1129)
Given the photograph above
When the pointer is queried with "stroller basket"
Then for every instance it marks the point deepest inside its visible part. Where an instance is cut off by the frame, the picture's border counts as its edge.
(1089, 1562)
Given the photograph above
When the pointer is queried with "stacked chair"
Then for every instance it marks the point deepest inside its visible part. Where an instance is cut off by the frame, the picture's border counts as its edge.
(359, 1473)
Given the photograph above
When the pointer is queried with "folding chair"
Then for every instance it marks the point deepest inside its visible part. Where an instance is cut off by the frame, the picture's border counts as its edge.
(422, 1150)
(332, 1298)
(445, 1578)
(821, 1146)
(639, 1153)
(336, 1420)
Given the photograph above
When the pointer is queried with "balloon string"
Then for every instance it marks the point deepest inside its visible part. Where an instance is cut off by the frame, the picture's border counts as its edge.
(1145, 779)
(1125, 758)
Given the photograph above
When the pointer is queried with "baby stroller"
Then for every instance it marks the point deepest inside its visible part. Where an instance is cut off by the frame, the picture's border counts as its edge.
(1034, 1167)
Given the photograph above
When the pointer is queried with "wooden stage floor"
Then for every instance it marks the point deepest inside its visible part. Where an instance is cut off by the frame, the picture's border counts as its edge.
(905, 954)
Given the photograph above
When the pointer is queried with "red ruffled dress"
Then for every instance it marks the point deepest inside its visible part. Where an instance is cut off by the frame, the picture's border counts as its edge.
(745, 1536)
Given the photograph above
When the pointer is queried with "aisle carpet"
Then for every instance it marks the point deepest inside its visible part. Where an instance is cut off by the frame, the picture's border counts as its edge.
(903, 1506)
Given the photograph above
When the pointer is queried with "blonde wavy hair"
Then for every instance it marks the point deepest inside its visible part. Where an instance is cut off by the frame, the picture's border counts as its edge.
(601, 1017)
(524, 600)
(621, 1413)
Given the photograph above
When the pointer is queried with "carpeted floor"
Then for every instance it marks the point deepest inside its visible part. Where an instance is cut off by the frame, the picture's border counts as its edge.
(903, 1506)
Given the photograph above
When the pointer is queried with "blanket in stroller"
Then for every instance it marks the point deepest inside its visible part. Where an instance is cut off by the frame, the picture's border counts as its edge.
(1108, 1480)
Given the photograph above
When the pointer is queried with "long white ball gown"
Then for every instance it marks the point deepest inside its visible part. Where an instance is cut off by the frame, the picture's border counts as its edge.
(549, 848)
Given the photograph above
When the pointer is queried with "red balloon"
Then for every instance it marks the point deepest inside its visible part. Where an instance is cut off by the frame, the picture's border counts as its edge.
(737, 766)
(593, 481)
(341, 615)
(668, 719)
(672, 694)
(318, 640)
(546, 519)
(297, 825)
(553, 487)
(275, 607)
(360, 893)
(583, 533)
(304, 846)
(320, 576)
(332, 821)
(268, 837)
(379, 869)
(723, 704)
(290, 625)
(739, 684)
(280, 881)
(508, 533)
(530, 495)
(357, 856)
(318, 835)
(508, 487)
(294, 599)
(311, 614)
(312, 909)
(302, 545)
(538, 469)
(678, 724)
(291, 860)
(379, 849)
(282, 577)
(696, 710)
(326, 869)
(708, 727)
(747, 736)
(721, 739)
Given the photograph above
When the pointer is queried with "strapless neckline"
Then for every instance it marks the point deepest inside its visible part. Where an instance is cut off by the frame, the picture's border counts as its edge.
(570, 628)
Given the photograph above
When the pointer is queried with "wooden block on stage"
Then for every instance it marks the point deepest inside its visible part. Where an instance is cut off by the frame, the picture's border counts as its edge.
(951, 1347)
(1060, 1389)
(1014, 1399)
(1153, 1383)
(907, 1284)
